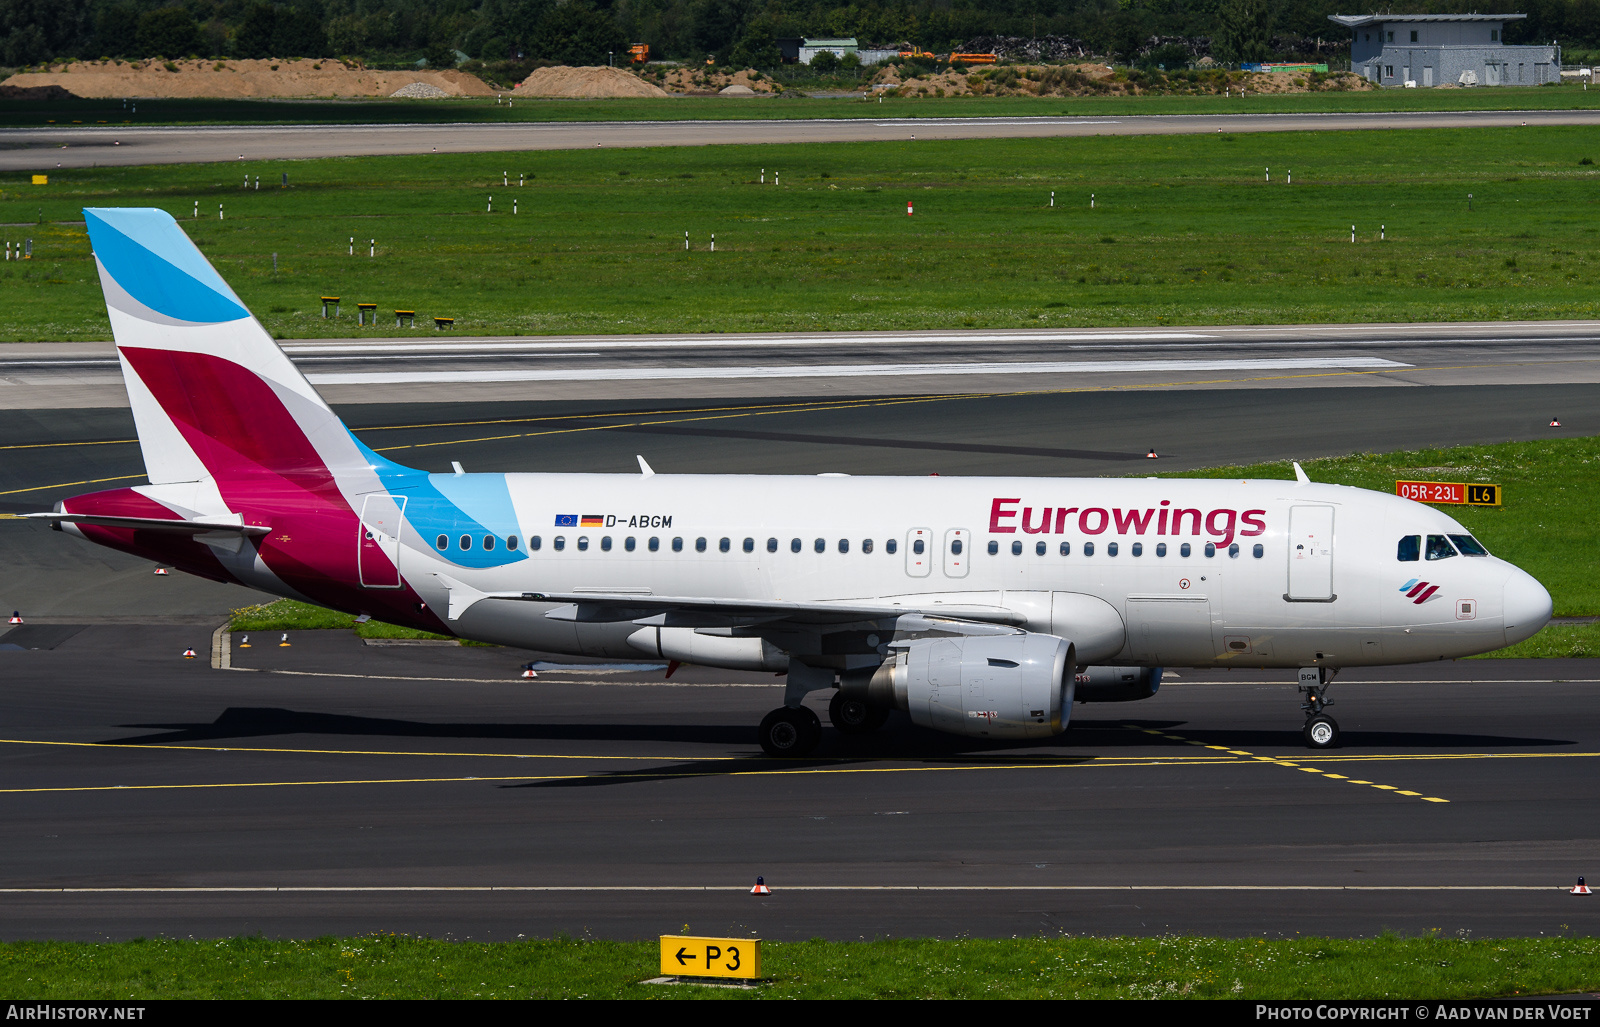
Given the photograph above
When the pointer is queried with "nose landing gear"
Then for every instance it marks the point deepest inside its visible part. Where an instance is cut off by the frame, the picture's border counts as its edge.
(1321, 731)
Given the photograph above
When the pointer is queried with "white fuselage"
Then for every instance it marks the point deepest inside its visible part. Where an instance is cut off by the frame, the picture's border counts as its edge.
(1275, 574)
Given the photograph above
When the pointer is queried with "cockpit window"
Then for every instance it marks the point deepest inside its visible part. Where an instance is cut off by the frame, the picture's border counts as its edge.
(1469, 546)
(1410, 549)
(1439, 548)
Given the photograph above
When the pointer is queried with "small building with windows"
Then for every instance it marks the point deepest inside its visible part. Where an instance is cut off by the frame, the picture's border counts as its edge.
(1427, 50)
(809, 48)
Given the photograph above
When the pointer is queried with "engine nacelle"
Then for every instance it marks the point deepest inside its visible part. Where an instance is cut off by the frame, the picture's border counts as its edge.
(1117, 684)
(994, 686)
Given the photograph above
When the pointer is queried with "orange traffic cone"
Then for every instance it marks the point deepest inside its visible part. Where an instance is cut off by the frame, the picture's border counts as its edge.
(161, 570)
(1151, 455)
(1581, 889)
(761, 887)
(188, 653)
(16, 617)
(1555, 422)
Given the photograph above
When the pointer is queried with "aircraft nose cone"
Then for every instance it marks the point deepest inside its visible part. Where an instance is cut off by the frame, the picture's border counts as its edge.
(1527, 607)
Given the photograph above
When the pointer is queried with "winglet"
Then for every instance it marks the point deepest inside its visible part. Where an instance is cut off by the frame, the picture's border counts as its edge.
(1300, 474)
(644, 468)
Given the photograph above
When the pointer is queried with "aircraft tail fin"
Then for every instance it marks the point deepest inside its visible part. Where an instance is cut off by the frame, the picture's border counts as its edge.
(213, 395)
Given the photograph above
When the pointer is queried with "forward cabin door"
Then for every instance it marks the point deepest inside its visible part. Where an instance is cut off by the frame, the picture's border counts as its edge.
(1310, 554)
(919, 552)
(378, 543)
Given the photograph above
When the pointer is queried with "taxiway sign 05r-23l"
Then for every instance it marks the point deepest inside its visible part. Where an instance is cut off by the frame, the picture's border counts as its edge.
(980, 606)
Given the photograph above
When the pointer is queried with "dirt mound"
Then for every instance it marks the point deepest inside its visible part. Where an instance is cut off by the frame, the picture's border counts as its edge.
(700, 82)
(1099, 80)
(232, 79)
(586, 82)
(34, 93)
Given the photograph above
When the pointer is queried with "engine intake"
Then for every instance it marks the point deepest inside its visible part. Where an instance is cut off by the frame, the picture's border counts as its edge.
(1005, 686)
(1117, 684)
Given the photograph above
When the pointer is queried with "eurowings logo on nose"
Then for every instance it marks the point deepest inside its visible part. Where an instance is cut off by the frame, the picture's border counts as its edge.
(1418, 592)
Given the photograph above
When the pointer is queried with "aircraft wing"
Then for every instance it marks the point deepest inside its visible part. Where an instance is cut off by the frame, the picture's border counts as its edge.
(230, 523)
(681, 610)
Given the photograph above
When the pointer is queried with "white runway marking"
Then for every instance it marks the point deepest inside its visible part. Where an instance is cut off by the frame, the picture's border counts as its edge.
(387, 889)
(593, 374)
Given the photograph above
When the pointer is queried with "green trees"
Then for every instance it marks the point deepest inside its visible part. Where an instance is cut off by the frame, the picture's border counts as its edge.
(271, 31)
(168, 32)
(1244, 31)
(37, 30)
(577, 34)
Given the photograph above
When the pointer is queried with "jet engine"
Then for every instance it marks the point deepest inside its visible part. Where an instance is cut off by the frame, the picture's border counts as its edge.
(994, 686)
(1117, 684)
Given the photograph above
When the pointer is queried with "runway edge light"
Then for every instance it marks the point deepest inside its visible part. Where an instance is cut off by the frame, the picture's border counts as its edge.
(1581, 889)
(683, 956)
(761, 887)
(16, 616)
(188, 653)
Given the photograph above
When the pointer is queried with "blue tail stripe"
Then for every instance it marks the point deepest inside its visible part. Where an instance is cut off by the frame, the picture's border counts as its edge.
(147, 254)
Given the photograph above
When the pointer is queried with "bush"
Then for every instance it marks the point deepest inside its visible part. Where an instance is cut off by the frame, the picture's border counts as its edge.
(826, 63)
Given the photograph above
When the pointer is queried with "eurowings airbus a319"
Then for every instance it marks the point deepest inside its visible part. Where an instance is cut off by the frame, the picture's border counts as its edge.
(981, 606)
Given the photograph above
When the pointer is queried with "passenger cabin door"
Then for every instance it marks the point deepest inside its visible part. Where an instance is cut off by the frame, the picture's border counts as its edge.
(957, 552)
(919, 552)
(1310, 554)
(378, 540)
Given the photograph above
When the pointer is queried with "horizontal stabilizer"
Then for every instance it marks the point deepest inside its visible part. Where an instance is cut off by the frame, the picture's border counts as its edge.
(227, 523)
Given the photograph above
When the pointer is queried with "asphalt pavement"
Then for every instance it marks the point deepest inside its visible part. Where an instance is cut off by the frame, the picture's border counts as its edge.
(330, 786)
(41, 149)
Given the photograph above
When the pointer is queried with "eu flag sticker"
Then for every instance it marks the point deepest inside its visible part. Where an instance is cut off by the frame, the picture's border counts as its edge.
(566, 520)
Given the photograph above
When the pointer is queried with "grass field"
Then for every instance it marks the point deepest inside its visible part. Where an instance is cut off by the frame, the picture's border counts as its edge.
(38, 113)
(398, 966)
(1185, 229)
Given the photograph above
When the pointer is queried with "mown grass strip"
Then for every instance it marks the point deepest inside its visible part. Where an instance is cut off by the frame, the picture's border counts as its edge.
(401, 966)
(1185, 230)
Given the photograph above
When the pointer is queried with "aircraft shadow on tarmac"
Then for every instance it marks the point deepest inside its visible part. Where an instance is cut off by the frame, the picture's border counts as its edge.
(899, 741)
(1114, 733)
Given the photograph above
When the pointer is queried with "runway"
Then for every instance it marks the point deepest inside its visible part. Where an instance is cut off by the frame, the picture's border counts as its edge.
(428, 368)
(80, 147)
(336, 787)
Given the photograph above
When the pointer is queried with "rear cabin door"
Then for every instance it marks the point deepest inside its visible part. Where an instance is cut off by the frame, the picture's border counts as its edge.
(1310, 554)
(378, 541)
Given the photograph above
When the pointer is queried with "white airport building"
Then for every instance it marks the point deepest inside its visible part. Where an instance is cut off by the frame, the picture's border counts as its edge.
(1427, 50)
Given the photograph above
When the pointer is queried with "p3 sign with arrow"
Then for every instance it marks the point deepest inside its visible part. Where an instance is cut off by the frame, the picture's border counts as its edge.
(683, 956)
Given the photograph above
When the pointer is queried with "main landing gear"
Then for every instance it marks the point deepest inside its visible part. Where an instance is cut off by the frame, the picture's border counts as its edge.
(852, 716)
(789, 731)
(793, 730)
(1321, 731)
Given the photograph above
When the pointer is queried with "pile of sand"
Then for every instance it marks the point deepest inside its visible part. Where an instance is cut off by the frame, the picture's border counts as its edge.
(1096, 80)
(692, 81)
(231, 79)
(586, 82)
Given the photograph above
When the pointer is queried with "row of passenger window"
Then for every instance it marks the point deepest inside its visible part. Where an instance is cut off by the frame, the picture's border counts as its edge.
(919, 546)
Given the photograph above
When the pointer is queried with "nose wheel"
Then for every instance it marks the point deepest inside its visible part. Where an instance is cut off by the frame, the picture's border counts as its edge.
(1321, 731)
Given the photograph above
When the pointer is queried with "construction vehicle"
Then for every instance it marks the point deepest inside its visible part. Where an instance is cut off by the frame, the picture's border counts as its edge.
(972, 58)
(639, 53)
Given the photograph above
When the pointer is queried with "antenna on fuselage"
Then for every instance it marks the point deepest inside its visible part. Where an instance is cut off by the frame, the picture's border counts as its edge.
(1300, 474)
(644, 468)
(455, 465)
